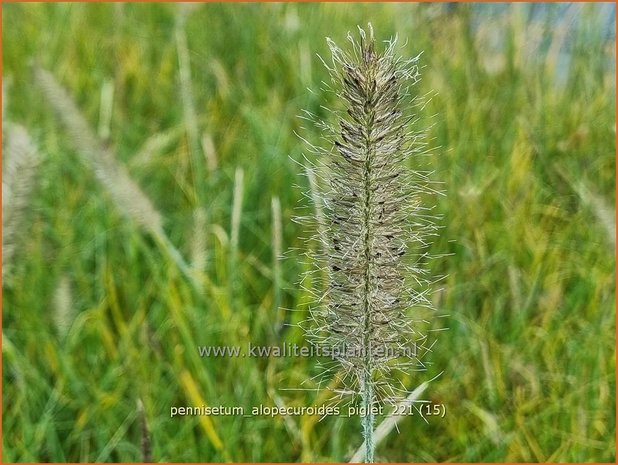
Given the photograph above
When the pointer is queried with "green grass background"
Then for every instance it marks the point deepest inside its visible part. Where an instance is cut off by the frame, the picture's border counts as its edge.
(529, 360)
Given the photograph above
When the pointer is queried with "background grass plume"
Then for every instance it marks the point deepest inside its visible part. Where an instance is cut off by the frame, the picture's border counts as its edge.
(524, 95)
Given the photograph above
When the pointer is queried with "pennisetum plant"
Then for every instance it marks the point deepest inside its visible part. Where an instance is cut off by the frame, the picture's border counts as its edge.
(373, 228)
(21, 161)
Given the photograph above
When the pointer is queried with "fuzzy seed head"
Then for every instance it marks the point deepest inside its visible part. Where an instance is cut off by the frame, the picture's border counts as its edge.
(129, 198)
(21, 161)
(375, 229)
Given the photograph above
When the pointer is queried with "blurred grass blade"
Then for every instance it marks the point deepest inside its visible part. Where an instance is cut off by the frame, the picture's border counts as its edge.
(105, 109)
(198, 240)
(193, 394)
(236, 210)
(188, 99)
(64, 310)
(277, 250)
(116, 439)
(4, 100)
(210, 152)
(317, 204)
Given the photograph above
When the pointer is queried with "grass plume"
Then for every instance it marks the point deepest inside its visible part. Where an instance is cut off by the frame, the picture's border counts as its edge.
(186, 92)
(376, 229)
(21, 160)
(128, 197)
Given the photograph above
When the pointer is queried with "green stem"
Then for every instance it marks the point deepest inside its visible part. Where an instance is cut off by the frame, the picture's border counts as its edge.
(367, 374)
(176, 257)
(368, 419)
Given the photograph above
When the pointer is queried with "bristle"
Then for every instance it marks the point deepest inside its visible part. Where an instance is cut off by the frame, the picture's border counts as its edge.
(154, 146)
(210, 152)
(4, 101)
(186, 92)
(236, 209)
(106, 109)
(128, 197)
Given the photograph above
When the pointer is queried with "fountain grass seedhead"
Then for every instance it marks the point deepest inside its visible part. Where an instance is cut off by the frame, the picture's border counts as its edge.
(375, 229)
(19, 172)
(127, 195)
